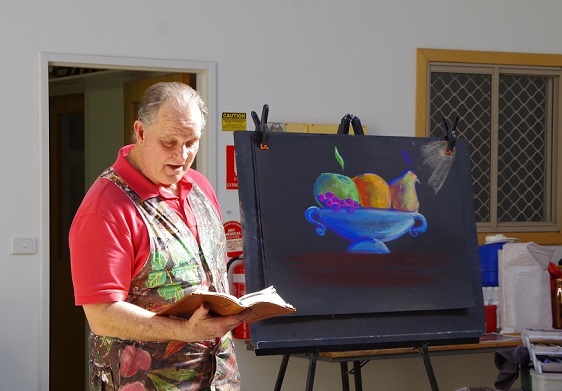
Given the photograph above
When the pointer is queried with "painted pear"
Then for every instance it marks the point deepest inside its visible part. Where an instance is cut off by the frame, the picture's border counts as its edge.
(403, 192)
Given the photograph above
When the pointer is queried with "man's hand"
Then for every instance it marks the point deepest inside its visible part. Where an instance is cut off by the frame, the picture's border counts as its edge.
(202, 325)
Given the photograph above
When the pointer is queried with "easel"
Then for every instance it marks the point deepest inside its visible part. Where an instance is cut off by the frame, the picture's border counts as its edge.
(357, 365)
(269, 182)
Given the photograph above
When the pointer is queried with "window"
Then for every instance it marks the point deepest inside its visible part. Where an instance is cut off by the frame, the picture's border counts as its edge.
(509, 111)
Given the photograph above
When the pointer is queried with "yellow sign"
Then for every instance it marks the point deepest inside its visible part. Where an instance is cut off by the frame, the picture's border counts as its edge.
(233, 121)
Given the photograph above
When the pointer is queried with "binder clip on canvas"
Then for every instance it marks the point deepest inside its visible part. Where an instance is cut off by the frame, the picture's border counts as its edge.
(355, 122)
(261, 125)
(450, 135)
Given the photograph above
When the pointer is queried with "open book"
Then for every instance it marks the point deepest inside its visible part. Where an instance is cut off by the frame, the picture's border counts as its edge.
(264, 304)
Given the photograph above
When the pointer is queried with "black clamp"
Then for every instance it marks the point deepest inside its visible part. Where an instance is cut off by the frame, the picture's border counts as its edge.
(261, 126)
(343, 128)
(450, 135)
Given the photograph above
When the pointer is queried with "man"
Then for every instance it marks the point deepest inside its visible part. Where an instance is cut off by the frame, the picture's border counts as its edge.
(147, 233)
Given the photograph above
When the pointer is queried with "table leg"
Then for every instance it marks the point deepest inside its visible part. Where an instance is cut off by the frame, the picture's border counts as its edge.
(357, 375)
(344, 376)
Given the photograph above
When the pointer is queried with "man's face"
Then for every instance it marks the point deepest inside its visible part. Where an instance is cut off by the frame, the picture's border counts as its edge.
(168, 147)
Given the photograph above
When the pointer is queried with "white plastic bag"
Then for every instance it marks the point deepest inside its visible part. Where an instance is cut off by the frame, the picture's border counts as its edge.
(524, 283)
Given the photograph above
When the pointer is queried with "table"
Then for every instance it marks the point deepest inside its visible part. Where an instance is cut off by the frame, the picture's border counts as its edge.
(488, 343)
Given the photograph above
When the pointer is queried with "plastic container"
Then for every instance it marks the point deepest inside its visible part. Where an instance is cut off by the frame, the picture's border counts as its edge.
(489, 263)
(491, 318)
(546, 381)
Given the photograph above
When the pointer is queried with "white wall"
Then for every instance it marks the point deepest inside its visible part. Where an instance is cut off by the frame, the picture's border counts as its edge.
(310, 61)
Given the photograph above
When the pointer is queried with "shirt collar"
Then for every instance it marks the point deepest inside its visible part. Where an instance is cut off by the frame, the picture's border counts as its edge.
(141, 184)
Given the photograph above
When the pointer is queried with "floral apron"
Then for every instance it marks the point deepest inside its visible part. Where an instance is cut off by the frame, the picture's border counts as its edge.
(176, 266)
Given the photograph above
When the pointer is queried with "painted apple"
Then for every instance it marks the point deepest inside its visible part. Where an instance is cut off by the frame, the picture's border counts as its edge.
(340, 186)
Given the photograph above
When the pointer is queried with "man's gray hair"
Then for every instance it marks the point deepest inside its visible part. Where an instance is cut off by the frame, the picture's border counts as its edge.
(158, 94)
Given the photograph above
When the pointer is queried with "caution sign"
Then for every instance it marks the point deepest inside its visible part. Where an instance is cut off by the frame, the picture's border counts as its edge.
(233, 232)
(233, 121)
(231, 171)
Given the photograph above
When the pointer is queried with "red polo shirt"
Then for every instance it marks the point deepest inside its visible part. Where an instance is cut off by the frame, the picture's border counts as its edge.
(108, 239)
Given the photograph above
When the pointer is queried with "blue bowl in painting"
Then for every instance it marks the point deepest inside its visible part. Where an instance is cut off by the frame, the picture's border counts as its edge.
(367, 228)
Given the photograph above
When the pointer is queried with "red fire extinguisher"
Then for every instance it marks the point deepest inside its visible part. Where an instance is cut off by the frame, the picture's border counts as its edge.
(242, 331)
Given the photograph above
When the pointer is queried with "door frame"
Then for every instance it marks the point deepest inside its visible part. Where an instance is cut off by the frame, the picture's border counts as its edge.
(206, 86)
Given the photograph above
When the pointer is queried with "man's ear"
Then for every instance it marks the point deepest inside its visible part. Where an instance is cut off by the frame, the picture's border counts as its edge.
(139, 131)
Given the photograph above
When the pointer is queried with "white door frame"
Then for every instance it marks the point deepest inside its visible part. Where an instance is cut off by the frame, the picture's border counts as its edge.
(206, 157)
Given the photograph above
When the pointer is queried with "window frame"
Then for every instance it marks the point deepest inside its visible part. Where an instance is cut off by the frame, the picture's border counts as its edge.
(505, 59)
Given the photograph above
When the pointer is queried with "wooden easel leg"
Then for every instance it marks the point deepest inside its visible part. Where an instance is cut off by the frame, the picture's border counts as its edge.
(344, 376)
(428, 368)
(281, 374)
(357, 375)
(311, 371)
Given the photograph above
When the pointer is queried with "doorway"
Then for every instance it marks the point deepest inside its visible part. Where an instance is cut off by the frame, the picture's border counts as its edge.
(69, 134)
(67, 323)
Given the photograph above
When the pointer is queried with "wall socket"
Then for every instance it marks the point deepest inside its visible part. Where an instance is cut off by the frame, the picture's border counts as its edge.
(24, 246)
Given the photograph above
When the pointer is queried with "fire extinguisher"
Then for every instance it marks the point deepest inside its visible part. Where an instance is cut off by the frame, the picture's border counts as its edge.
(242, 331)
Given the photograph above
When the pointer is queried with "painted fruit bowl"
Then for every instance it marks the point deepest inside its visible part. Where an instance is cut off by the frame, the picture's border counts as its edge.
(367, 228)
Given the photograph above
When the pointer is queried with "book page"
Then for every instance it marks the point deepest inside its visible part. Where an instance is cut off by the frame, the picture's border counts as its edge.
(268, 295)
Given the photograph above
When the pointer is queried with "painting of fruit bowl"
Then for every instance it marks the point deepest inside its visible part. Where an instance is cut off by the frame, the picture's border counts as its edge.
(366, 210)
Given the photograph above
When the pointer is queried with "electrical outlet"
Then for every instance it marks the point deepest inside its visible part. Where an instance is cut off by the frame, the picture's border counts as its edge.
(24, 245)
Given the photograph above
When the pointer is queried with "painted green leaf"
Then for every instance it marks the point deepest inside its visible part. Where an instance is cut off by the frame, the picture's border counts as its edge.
(171, 291)
(156, 278)
(158, 262)
(178, 375)
(187, 272)
(162, 385)
(339, 158)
